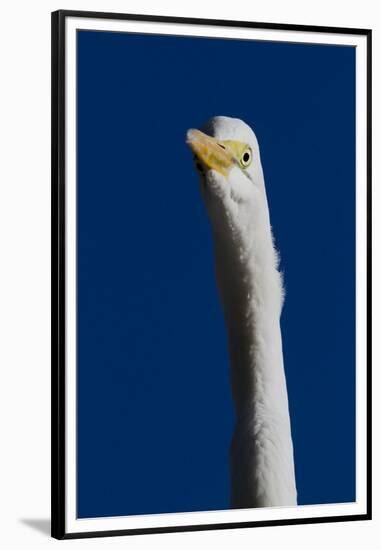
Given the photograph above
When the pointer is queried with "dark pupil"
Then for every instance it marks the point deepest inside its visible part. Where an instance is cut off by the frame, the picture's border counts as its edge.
(246, 157)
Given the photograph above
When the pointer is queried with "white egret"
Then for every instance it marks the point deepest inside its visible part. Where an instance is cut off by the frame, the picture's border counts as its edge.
(227, 158)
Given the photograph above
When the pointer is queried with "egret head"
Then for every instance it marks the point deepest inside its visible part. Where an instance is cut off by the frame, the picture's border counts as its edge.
(227, 159)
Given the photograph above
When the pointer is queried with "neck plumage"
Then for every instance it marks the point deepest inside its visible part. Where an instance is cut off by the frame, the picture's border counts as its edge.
(250, 285)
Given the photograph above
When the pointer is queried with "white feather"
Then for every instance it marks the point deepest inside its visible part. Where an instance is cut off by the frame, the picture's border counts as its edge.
(251, 290)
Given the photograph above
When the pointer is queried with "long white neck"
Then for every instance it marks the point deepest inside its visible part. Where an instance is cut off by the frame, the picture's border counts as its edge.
(250, 285)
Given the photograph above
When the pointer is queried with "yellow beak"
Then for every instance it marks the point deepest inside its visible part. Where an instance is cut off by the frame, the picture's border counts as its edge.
(215, 155)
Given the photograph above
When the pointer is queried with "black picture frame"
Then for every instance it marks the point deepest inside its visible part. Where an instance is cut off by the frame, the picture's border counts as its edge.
(59, 245)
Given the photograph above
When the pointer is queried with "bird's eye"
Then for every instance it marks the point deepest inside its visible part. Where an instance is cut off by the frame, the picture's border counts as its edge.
(246, 158)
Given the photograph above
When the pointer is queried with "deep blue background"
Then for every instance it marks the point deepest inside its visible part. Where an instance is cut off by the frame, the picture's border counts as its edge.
(155, 414)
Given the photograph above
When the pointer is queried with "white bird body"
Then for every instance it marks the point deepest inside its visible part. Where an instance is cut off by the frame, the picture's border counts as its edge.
(251, 290)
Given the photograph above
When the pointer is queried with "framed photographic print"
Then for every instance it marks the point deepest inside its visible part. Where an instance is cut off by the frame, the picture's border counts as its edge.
(210, 274)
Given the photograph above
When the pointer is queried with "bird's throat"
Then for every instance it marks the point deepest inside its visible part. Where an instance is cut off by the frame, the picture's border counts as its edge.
(251, 292)
(250, 286)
